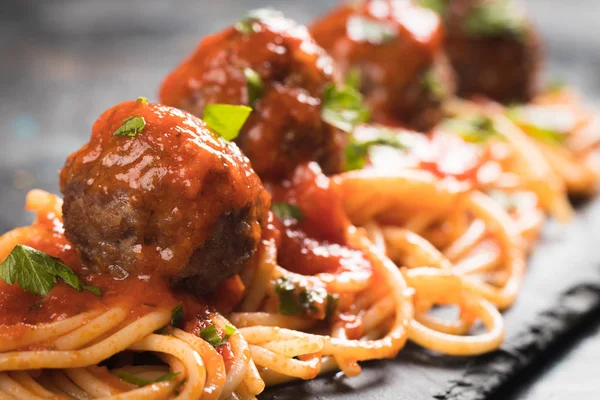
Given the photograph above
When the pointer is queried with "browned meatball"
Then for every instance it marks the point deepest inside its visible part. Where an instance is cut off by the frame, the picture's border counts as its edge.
(272, 64)
(172, 199)
(493, 48)
(395, 46)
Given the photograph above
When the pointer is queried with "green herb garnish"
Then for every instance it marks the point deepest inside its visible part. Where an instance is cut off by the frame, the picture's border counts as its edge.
(496, 18)
(211, 335)
(288, 301)
(37, 272)
(246, 26)
(142, 100)
(250, 25)
(356, 152)
(438, 6)
(131, 126)
(353, 79)
(343, 107)
(547, 124)
(555, 85)
(137, 381)
(254, 85)
(361, 29)
(94, 289)
(225, 119)
(475, 129)
(286, 211)
(177, 316)
(304, 299)
(333, 301)
(433, 84)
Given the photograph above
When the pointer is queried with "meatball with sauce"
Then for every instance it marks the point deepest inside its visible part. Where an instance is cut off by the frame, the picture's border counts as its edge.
(395, 48)
(272, 64)
(493, 49)
(155, 191)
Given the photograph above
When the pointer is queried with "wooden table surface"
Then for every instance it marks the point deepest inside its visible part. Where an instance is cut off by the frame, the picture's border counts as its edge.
(62, 62)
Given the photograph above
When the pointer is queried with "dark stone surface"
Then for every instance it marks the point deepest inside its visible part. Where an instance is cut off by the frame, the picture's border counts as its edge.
(64, 62)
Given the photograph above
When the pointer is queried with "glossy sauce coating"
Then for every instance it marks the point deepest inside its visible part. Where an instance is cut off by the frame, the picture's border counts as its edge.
(394, 69)
(140, 295)
(316, 243)
(175, 201)
(443, 154)
(285, 128)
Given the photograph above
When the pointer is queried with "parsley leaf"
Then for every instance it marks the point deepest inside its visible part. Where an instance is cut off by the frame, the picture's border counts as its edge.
(131, 126)
(137, 381)
(142, 99)
(361, 29)
(343, 107)
(249, 24)
(94, 289)
(433, 84)
(286, 211)
(177, 316)
(254, 85)
(438, 6)
(496, 18)
(37, 272)
(555, 85)
(353, 79)
(225, 119)
(211, 335)
(356, 152)
(548, 124)
(303, 299)
(474, 129)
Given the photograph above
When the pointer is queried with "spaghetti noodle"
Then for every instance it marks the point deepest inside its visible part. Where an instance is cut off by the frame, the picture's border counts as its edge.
(164, 273)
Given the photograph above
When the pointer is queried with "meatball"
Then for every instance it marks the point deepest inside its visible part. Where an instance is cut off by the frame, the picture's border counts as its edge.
(156, 192)
(273, 65)
(395, 47)
(493, 49)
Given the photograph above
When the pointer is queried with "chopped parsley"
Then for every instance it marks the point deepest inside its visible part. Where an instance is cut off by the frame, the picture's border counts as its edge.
(249, 24)
(343, 107)
(177, 316)
(361, 29)
(210, 335)
(225, 119)
(356, 152)
(94, 289)
(254, 85)
(303, 299)
(496, 18)
(286, 211)
(433, 84)
(548, 124)
(475, 129)
(137, 381)
(37, 272)
(438, 6)
(131, 126)
(353, 79)
(556, 85)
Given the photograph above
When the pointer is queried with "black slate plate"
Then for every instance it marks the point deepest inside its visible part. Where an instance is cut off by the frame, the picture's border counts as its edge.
(64, 62)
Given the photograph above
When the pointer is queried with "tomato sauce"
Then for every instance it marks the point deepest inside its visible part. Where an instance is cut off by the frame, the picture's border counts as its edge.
(140, 295)
(316, 243)
(285, 127)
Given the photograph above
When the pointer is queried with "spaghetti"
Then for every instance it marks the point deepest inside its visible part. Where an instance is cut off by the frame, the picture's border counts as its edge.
(170, 271)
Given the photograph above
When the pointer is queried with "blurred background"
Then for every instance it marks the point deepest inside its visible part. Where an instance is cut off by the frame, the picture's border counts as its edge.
(63, 62)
